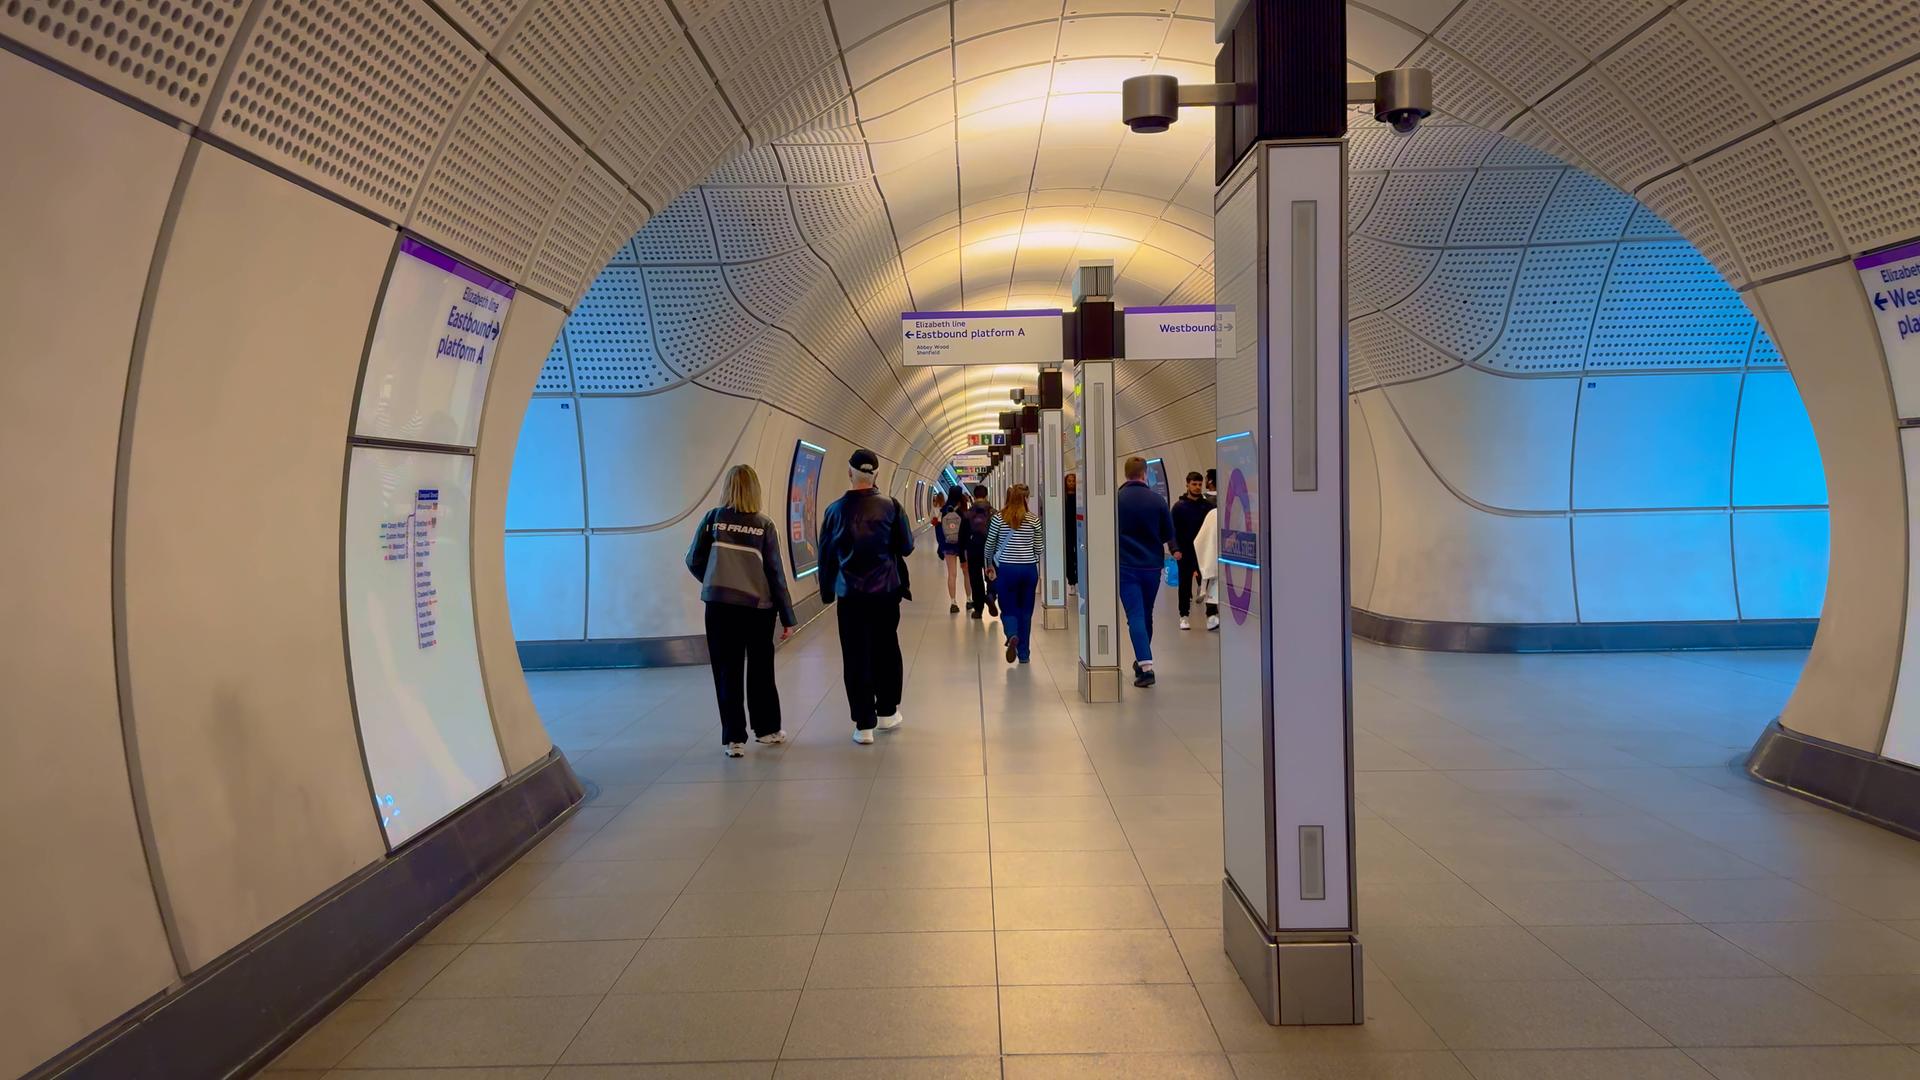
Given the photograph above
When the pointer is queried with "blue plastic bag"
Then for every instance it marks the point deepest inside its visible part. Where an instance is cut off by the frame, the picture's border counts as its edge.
(1172, 567)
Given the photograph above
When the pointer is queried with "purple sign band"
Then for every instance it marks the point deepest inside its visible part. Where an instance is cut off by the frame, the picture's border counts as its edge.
(437, 258)
(1173, 309)
(1882, 258)
(1028, 313)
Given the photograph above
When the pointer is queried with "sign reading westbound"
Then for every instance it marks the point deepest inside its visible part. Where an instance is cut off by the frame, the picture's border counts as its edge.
(1891, 280)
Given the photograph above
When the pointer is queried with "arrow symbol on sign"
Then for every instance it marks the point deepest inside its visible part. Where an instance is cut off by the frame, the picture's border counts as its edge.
(1880, 301)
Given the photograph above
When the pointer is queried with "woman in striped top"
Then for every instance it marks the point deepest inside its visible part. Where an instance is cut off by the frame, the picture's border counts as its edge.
(1014, 543)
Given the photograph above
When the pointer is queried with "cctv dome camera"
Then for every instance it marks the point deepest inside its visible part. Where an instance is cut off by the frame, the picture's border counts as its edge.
(1150, 103)
(1403, 97)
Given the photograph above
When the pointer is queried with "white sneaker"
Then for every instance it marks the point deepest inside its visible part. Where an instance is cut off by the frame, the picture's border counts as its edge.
(777, 737)
(1213, 622)
(863, 736)
(888, 723)
(737, 749)
(1184, 624)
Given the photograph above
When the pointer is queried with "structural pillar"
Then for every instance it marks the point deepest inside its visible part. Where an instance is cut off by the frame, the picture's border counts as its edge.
(1053, 591)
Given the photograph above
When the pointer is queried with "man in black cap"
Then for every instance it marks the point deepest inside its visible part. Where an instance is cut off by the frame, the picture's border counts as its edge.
(865, 538)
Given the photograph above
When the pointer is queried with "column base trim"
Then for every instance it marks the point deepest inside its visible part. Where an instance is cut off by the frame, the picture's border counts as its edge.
(1296, 979)
(1582, 637)
(1053, 618)
(236, 1014)
(1867, 786)
(1099, 686)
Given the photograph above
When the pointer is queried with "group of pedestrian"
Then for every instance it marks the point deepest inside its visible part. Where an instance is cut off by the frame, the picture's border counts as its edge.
(865, 539)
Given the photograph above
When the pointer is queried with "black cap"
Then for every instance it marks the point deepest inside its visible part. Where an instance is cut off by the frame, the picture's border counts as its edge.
(865, 461)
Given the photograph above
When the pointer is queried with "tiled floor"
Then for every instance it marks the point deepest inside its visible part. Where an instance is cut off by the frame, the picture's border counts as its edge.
(1562, 876)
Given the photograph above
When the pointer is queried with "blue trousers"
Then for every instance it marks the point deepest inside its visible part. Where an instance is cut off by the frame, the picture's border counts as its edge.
(1018, 582)
(1138, 590)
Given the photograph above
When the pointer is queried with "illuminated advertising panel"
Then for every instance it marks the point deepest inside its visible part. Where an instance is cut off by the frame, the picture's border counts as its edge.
(1157, 478)
(803, 508)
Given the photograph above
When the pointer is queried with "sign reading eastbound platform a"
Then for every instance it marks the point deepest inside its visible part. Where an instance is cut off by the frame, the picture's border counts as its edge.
(1891, 280)
(970, 338)
(1178, 332)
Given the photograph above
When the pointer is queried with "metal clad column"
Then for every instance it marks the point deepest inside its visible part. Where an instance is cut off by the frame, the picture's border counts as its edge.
(1053, 593)
(1099, 600)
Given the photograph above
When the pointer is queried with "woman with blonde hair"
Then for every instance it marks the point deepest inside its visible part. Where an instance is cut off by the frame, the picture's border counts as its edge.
(736, 556)
(1014, 544)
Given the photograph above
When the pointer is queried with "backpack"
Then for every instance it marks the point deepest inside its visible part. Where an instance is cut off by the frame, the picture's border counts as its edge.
(950, 527)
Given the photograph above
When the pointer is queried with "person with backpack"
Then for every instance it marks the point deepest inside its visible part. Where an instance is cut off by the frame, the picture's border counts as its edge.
(981, 594)
(865, 538)
(950, 542)
(735, 555)
(1015, 542)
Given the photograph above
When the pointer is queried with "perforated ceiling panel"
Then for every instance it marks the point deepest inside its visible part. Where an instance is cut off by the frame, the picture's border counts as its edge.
(1417, 208)
(1686, 92)
(503, 169)
(571, 249)
(1609, 132)
(1362, 189)
(1861, 149)
(608, 339)
(393, 71)
(486, 20)
(555, 376)
(1583, 208)
(1551, 318)
(1502, 207)
(675, 82)
(771, 287)
(1498, 38)
(1392, 353)
(1374, 146)
(583, 57)
(1463, 303)
(1666, 307)
(696, 322)
(1444, 146)
(807, 164)
(1796, 51)
(1675, 199)
(678, 234)
(1381, 274)
(164, 53)
(1464, 93)
(751, 223)
(1595, 25)
(1775, 222)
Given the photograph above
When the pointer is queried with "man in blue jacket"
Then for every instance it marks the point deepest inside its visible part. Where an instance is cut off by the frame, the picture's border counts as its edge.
(865, 538)
(1143, 528)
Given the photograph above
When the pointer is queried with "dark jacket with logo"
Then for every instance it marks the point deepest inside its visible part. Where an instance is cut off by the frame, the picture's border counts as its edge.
(1188, 515)
(1143, 527)
(865, 538)
(736, 556)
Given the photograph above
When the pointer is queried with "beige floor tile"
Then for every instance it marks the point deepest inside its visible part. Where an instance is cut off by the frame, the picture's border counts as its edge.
(768, 872)
(898, 1022)
(1530, 1015)
(1391, 1065)
(1876, 898)
(864, 961)
(410, 971)
(1740, 1012)
(483, 1031)
(580, 918)
(335, 1036)
(1189, 907)
(687, 965)
(1205, 956)
(469, 921)
(1582, 1065)
(1058, 836)
(1461, 954)
(1392, 1024)
(926, 811)
(1427, 903)
(1051, 808)
(740, 1026)
(536, 969)
(1070, 907)
(774, 914)
(1167, 807)
(1183, 834)
(1888, 1002)
(1764, 900)
(1018, 869)
(880, 836)
(1180, 866)
(1827, 948)
(1576, 903)
(1102, 1019)
(878, 911)
(951, 1068)
(706, 1070)
(916, 870)
(1068, 957)
(1800, 1063)
(1118, 1067)
(1681, 951)
(622, 843)
(617, 878)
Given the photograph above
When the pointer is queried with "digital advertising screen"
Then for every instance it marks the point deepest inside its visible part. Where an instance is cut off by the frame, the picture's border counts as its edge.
(424, 722)
(1157, 477)
(432, 351)
(803, 508)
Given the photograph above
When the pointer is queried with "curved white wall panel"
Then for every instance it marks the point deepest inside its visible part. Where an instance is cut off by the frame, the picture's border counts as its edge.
(547, 586)
(1648, 442)
(78, 922)
(1776, 459)
(253, 774)
(1499, 441)
(651, 459)
(640, 587)
(1654, 567)
(546, 489)
(1780, 562)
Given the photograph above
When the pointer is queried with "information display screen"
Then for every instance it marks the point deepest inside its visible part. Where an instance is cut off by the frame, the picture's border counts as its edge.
(803, 508)
(424, 723)
(1157, 477)
(433, 350)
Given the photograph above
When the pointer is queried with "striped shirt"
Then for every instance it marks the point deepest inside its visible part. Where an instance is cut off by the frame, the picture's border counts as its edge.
(1007, 544)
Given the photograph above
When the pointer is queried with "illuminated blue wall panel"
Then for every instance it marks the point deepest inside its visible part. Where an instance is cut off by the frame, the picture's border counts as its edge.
(1781, 558)
(1654, 441)
(545, 491)
(547, 586)
(1653, 567)
(1776, 461)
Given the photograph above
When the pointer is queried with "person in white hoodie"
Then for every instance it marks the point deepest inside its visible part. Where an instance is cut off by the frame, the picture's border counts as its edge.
(1207, 549)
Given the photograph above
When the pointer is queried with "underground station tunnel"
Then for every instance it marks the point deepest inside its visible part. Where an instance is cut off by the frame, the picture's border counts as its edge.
(587, 539)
